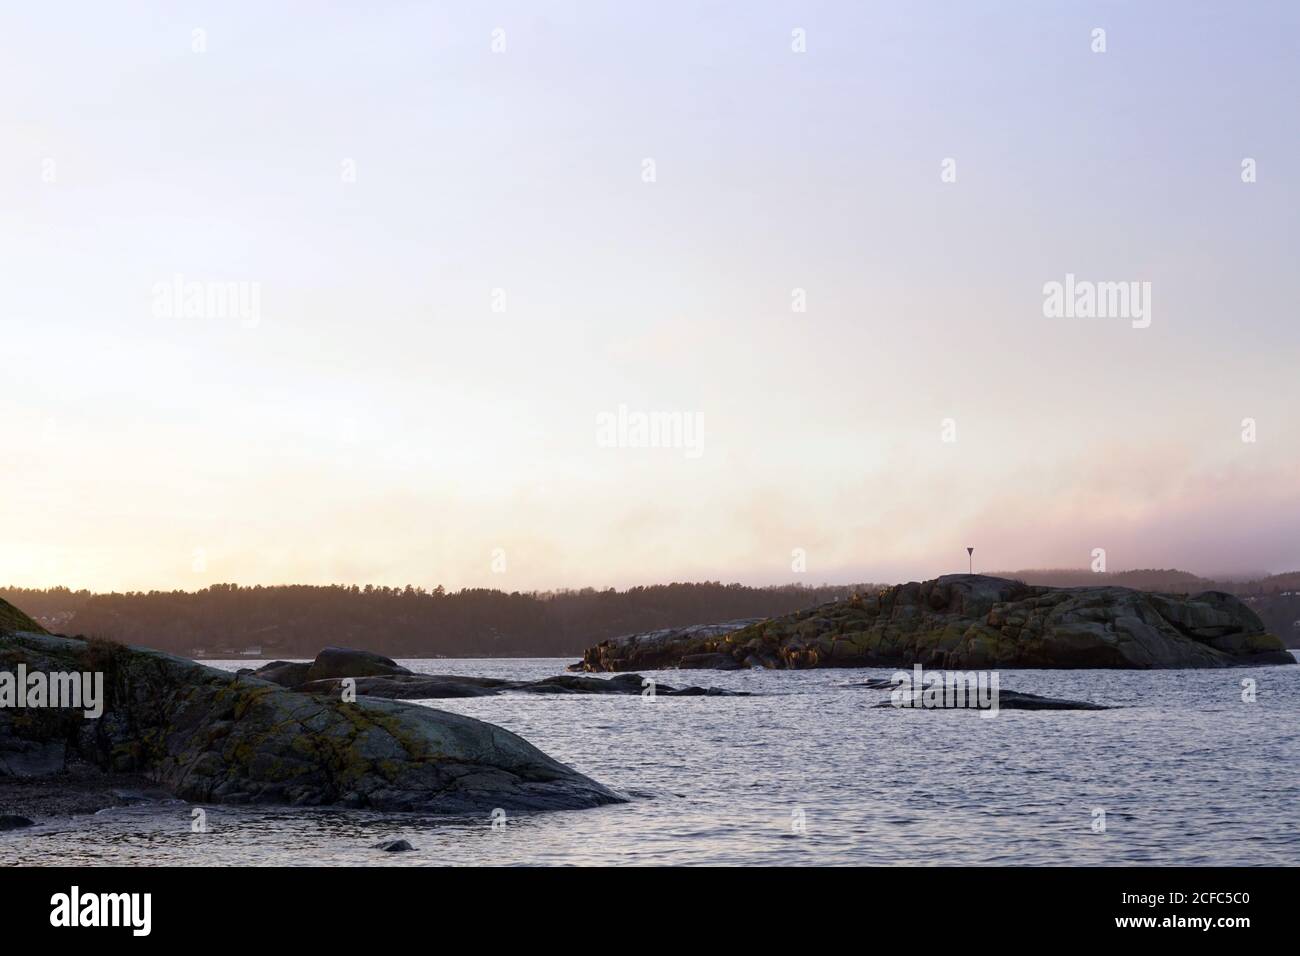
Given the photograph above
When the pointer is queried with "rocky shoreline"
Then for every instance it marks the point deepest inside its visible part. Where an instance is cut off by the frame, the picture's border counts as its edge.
(966, 621)
(78, 789)
(335, 732)
(209, 736)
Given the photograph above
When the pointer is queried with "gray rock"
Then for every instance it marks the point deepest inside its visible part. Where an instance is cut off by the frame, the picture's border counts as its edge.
(347, 662)
(398, 683)
(446, 686)
(409, 686)
(1012, 700)
(393, 846)
(668, 647)
(284, 673)
(209, 736)
(132, 797)
(31, 758)
(710, 661)
(971, 621)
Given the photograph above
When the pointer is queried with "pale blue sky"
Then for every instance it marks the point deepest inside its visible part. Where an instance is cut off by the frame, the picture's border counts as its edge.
(381, 423)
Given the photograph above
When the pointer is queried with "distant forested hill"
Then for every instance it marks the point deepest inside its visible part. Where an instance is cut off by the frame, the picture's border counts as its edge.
(298, 620)
(1145, 579)
(54, 608)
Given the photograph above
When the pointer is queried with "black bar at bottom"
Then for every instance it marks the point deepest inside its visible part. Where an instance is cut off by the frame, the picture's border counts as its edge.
(332, 905)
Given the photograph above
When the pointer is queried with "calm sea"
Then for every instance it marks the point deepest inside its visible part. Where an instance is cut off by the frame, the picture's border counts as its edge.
(806, 772)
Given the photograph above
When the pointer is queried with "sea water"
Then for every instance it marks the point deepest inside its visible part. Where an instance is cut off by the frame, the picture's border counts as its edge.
(808, 771)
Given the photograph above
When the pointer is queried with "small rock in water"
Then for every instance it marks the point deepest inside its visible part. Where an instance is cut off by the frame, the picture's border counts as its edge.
(144, 796)
(11, 821)
(1006, 700)
(393, 846)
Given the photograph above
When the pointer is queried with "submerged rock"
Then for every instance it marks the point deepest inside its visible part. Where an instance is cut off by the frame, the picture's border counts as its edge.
(964, 621)
(211, 736)
(1007, 700)
(11, 821)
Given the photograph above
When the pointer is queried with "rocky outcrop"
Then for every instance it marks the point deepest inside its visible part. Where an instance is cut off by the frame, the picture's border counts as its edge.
(404, 685)
(668, 647)
(348, 662)
(284, 673)
(972, 621)
(332, 663)
(211, 736)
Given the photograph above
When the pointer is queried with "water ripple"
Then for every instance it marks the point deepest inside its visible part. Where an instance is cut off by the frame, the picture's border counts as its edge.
(808, 773)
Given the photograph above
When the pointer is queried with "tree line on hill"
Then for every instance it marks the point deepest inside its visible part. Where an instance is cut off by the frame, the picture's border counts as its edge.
(226, 620)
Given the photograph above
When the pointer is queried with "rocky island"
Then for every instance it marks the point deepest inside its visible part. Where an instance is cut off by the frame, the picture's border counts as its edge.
(969, 621)
(206, 735)
(374, 675)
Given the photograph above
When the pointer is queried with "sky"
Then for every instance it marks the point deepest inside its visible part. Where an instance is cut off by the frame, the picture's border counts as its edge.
(458, 243)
